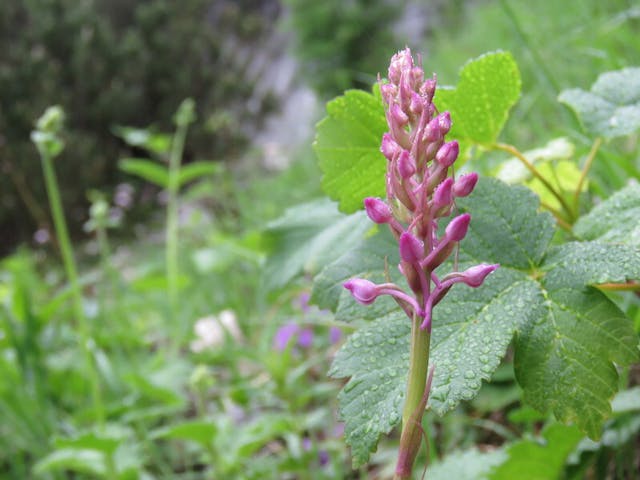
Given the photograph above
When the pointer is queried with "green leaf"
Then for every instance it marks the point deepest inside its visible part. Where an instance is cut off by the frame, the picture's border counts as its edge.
(348, 149)
(612, 107)
(534, 460)
(148, 170)
(308, 237)
(468, 465)
(198, 431)
(75, 459)
(196, 170)
(479, 105)
(158, 143)
(540, 293)
(376, 358)
(564, 358)
(615, 220)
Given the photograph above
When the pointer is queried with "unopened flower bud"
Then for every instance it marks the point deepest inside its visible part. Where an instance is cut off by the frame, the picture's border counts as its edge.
(465, 184)
(411, 249)
(398, 116)
(406, 165)
(364, 291)
(432, 131)
(457, 228)
(389, 147)
(442, 197)
(377, 210)
(444, 122)
(388, 92)
(474, 276)
(447, 154)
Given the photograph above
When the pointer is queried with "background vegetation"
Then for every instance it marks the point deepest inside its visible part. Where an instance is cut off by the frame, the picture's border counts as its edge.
(230, 381)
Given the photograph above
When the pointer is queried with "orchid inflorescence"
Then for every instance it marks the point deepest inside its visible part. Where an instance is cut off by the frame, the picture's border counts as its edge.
(420, 191)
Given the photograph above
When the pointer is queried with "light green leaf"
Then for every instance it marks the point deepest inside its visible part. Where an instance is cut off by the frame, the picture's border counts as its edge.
(615, 220)
(489, 86)
(308, 237)
(539, 460)
(348, 149)
(158, 143)
(148, 170)
(75, 459)
(612, 107)
(199, 431)
(468, 465)
(196, 170)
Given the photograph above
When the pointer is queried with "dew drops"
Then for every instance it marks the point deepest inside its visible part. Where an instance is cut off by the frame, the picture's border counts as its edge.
(469, 374)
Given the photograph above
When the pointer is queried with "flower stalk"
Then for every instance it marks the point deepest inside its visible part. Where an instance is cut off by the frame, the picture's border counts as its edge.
(421, 191)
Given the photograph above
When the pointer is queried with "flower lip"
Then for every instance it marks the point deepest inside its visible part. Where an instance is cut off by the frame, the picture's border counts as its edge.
(364, 291)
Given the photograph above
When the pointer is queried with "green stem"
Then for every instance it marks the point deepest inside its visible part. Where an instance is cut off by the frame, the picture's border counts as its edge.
(411, 436)
(172, 216)
(72, 275)
(534, 171)
(585, 170)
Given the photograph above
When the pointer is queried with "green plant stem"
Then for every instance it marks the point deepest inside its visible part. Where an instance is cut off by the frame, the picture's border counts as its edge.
(411, 436)
(72, 275)
(505, 147)
(175, 158)
(585, 170)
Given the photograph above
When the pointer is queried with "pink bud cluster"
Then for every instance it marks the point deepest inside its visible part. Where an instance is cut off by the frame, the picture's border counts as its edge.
(420, 192)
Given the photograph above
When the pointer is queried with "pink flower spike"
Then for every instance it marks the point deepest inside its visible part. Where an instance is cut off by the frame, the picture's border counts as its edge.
(377, 210)
(465, 184)
(411, 249)
(364, 291)
(447, 154)
(457, 228)
(474, 276)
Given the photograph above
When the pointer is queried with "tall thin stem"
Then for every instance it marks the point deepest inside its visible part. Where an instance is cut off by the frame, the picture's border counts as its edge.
(411, 437)
(172, 216)
(585, 170)
(72, 275)
(534, 171)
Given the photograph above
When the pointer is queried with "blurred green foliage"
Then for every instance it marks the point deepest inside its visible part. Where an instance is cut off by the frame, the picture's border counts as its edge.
(113, 63)
(343, 44)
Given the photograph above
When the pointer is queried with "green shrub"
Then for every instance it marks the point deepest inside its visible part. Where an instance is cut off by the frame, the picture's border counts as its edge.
(109, 62)
(340, 43)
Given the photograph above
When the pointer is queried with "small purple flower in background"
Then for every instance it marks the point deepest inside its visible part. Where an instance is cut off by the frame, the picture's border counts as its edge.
(335, 334)
(304, 335)
(420, 192)
(283, 336)
(305, 338)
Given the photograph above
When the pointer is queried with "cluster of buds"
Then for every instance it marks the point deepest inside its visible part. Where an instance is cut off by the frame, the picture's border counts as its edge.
(420, 191)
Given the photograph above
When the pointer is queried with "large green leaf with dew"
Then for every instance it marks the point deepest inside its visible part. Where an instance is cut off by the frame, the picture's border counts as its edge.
(489, 86)
(612, 107)
(615, 220)
(540, 293)
(348, 149)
